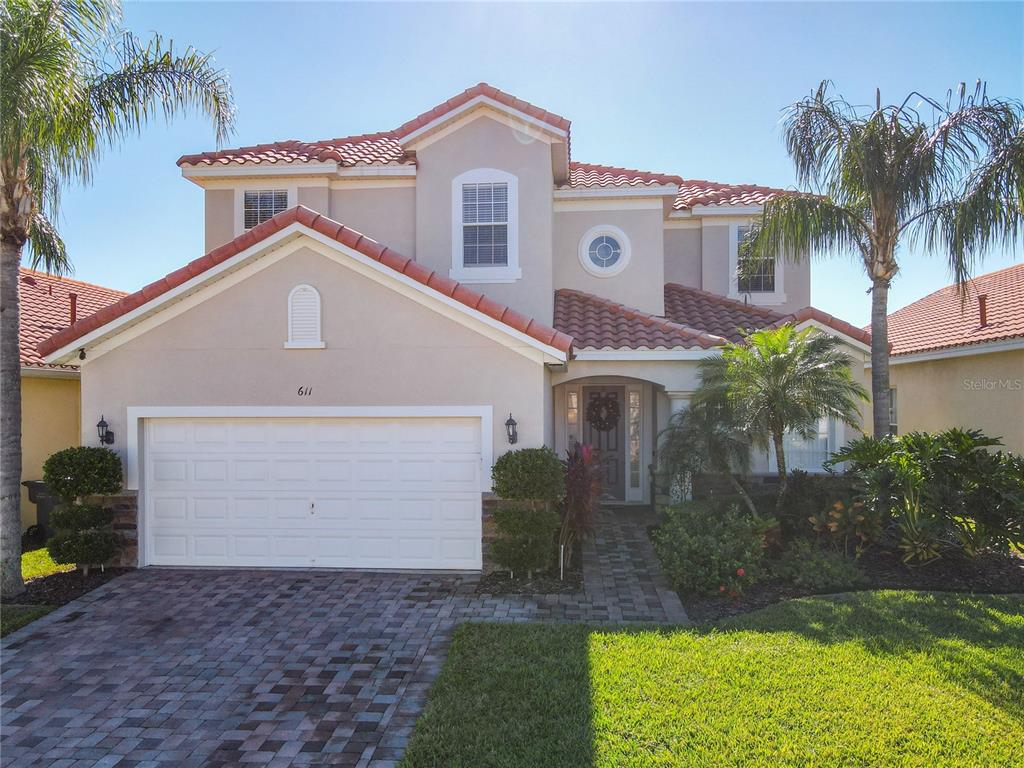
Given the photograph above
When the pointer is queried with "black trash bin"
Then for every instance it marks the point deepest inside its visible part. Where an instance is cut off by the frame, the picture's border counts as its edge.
(40, 495)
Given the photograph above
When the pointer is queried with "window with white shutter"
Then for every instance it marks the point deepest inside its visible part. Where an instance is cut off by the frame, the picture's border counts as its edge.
(263, 204)
(304, 318)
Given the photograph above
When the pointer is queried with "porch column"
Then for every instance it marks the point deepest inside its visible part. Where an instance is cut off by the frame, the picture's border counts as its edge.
(679, 401)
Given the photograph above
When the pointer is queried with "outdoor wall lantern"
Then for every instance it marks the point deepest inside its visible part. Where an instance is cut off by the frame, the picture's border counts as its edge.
(510, 428)
(106, 435)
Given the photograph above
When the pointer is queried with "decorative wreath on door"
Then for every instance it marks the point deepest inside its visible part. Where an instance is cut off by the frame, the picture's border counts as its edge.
(603, 413)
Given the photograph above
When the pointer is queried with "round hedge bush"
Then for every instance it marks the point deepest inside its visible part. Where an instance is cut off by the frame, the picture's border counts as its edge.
(83, 471)
(81, 517)
(84, 548)
(530, 474)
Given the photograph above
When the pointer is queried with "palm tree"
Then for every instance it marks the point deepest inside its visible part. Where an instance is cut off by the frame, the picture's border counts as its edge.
(948, 174)
(780, 380)
(74, 84)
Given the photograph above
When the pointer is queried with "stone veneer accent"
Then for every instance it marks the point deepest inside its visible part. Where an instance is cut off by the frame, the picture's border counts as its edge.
(126, 526)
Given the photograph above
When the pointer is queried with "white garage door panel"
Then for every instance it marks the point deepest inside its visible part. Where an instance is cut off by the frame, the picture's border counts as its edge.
(332, 492)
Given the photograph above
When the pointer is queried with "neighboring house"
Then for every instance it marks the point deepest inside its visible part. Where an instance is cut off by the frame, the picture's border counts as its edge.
(330, 384)
(50, 416)
(959, 361)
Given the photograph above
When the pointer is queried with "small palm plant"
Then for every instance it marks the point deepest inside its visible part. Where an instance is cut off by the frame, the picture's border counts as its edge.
(947, 174)
(781, 380)
(74, 83)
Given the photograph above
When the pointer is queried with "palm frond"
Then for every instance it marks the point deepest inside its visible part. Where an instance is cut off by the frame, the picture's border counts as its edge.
(46, 248)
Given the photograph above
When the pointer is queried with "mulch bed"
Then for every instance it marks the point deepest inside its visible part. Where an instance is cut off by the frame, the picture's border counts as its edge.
(60, 588)
(994, 573)
(499, 583)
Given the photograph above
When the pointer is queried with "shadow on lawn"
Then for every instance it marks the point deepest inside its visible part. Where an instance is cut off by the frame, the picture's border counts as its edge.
(974, 641)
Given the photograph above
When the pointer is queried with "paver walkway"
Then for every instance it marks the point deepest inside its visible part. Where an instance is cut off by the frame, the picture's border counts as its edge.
(278, 668)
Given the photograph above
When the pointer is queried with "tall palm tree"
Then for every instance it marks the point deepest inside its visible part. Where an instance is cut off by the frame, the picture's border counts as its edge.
(780, 380)
(74, 83)
(947, 174)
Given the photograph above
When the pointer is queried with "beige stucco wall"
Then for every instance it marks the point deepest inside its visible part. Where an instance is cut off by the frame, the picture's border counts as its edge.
(641, 283)
(983, 392)
(220, 217)
(387, 214)
(382, 349)
(50, 421)
(683, 256)
(316, 198)
(486, 143)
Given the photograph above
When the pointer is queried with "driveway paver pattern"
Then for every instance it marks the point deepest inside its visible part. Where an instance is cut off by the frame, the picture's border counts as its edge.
(169, 667)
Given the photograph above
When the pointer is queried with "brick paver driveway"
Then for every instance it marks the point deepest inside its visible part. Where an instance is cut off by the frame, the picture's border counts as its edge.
(217, 668)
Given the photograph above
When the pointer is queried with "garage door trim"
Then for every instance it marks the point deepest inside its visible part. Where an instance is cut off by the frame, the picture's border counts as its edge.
(137, 414)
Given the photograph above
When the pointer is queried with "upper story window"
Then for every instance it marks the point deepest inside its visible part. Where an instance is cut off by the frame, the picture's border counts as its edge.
(262, 204)
(485, 220)
(604, 250)
(304, 318)
(762, 284)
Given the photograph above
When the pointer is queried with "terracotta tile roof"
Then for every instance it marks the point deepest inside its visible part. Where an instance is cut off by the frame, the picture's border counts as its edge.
(725, 317)
(713, 313)
(696, 192)
(941, 321)
(483, 89)
(345, 236)
(589, 175)
(596, 323)
(366, 149)
(45, 308)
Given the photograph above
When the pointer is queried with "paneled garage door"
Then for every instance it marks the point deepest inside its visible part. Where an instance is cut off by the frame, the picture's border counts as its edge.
(313, 492)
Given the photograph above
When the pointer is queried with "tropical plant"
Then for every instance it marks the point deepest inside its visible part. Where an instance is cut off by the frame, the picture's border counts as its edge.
(530, 474)
(805, 565)
(781, 380)
(703, 439)
(710, 547)
(947, 173)
(583, 488)
(74, 84)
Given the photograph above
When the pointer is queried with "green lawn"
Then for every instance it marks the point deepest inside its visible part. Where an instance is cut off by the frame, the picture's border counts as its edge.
(37, 563)
(14, 617)
(865, 679)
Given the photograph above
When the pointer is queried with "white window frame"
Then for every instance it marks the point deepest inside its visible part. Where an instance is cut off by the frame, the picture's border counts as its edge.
(763, 298)
(584, 250)
(317, 343)
(252, 186)
(508, 273)
(635, 492)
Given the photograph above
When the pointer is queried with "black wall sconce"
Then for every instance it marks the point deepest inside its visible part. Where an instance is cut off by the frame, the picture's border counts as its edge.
(106, 435)
(510, 429)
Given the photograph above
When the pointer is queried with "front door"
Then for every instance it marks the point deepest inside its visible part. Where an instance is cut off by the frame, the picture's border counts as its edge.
(603, 420)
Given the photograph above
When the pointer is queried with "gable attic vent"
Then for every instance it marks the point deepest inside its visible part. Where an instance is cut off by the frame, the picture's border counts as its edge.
(304, 318)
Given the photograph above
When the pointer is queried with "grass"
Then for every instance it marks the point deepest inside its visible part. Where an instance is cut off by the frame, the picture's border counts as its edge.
(14, 617)
(865, 679)
(37, 563)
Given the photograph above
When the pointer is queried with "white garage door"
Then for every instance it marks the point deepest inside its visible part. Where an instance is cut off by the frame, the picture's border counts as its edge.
(313, 492)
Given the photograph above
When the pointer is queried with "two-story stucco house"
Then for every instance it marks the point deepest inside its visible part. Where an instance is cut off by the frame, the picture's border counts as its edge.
(330, 384)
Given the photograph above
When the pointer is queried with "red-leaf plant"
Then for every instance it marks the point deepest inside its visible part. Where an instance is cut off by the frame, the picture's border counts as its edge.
(582, 496)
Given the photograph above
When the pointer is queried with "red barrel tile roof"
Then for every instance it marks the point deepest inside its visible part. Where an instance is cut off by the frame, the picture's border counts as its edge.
(941, 320)
(590, 175)
(694, 192)
(597, 323)
(336, 231)
(45, 308)
(365, 149)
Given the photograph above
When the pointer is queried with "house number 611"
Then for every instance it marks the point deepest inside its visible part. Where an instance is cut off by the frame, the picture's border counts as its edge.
(305, 391)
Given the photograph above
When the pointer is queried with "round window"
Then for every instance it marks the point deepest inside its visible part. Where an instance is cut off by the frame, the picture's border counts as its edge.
(604, 250)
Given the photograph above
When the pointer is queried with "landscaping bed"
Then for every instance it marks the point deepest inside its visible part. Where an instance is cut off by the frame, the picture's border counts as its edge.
(880, 569)
(868, 678)
(499, 583)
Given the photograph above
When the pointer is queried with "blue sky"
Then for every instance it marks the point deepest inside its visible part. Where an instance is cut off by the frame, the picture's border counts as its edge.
(687, 88)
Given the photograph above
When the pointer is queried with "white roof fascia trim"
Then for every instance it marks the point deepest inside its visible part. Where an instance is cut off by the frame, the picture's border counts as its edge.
(980, 348)
(645, 354)
(725, 209)
(280, 168)
(857, 343)
(659, 190)
(473, 104)
(377, 170)
(154, 305)
(34, 372)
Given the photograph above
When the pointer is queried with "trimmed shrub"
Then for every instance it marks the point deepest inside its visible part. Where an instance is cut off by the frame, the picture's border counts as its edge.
(83, 471)
(82, 547)
(526, 539)
(81, 517)
(531, 474)
(707, 548)
(805, 565)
